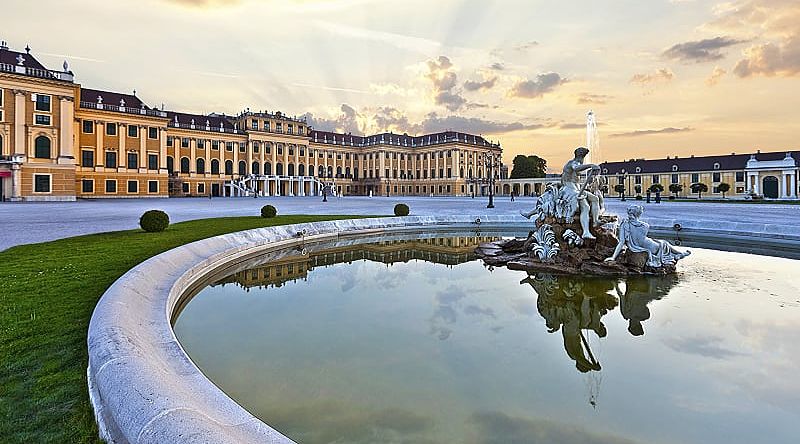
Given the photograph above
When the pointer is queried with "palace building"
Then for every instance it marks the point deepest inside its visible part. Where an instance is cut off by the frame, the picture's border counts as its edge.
(61, 141)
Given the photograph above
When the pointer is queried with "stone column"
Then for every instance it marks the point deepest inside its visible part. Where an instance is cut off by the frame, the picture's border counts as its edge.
(99, 153)
(16, 182)
(143, 160)
(66, 155)
(783, 184)
(207, 149)
(162, 150)
(192, 157)
(19, 122)
(249, 147)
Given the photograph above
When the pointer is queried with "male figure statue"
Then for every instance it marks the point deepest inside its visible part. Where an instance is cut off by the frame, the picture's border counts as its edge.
(571, 188)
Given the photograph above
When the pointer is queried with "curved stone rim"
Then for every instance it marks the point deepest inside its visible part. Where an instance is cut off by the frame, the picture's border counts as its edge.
(144, 387)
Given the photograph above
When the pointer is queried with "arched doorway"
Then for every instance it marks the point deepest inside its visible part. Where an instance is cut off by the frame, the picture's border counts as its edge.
(526, 189)
(771, 187)
(506, 189)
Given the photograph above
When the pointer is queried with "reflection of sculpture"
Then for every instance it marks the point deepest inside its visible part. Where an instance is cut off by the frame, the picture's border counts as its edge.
(639, 292)
(633, 236)
(572, 305)
(563, 201)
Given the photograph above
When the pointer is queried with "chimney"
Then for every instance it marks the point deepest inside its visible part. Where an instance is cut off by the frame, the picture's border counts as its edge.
(3, 45)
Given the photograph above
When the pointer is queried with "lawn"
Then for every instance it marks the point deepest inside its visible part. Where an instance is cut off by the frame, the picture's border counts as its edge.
(47, 294)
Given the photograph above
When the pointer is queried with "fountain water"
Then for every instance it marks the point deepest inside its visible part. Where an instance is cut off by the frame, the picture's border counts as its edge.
(592, 139)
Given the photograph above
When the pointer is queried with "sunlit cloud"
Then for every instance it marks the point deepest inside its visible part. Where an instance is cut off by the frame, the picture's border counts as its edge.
(701, 50)
(715, 76)
(651, 132)
(662, 75)
(535, 88)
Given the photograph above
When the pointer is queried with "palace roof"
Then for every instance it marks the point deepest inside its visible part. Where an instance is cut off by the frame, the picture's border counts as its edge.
(692, 163)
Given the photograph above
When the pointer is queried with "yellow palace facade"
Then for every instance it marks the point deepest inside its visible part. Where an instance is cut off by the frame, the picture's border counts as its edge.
(61, 141)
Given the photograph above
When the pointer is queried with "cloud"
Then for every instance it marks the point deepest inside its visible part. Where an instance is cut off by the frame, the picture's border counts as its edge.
(474, 85)
(662, 75)
(591, 99)
(637, 133)
(444, 81)
(715, 76)
(771, 59)
(572, 126)
(533, 88)
(473, 125)
(776, 24)
(526, 45)
(497, 66)
(701, 50)
(347, 122)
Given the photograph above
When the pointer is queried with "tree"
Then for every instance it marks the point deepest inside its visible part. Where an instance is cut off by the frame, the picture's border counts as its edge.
(526, 167)
(723, 188)
(699, 188)
(620, 188)
(656, 188)
(675, 188)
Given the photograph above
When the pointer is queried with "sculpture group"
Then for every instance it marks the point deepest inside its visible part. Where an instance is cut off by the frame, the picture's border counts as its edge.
(574, 235)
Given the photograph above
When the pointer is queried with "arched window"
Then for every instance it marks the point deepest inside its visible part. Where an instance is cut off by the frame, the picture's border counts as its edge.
(311, 170)
(301, 170)
(347, 172)
(267, 168)
(242, 168)
(255, 168)
(461, 172)
(229, 168)
(638, 169)
(184, 165)
(716, 165)
(214, 166)
(330, 171)
(290, 169)
(470, 173)
(321, 171)
(170, 164)
(674, 167)
(201, 166)
(42, 148)
(338, 171)
(279, 169)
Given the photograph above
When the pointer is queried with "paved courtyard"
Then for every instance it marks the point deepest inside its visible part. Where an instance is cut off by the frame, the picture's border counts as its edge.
(24, 223)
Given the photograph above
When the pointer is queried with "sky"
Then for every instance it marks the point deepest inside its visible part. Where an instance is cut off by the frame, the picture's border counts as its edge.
(663, 77)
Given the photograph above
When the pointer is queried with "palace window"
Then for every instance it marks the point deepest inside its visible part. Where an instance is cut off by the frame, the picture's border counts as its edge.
(185, 187)
(290, 129)
(111, 129)
(242, 148)
(152, 186)
(254, 125)
(256, 147)
(42, 119)
(111, 186)
(111, 159)
(185, 142)
(133, 131)
(716, 177)
(42, 102)
(215, 145)
(169, 141)
(695, 177)
(674, 167)
(201, 144)
(87, 158)
(637, 180)
(716, 166)
(740, 176)
(656, 178)
(228, 146)
(674, 178)
(133, 186)
(152, 133)
(1, 97)
(41, 183)
(152, 161)
(266, 125)
(201, 188)
(133, 161)
(87, 186)
(41, 148)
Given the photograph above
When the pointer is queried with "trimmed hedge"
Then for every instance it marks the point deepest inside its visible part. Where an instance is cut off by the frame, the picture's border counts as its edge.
(154, 221)
(268, 211)
(401, 210)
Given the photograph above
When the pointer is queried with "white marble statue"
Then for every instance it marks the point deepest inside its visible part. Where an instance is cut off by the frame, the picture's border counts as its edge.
(571, 197)
(633, 236)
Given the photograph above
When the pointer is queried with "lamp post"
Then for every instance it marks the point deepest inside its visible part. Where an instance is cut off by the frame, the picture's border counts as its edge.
(490, 166)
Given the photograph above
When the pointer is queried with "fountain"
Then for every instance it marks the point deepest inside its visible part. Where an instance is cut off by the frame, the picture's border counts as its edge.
(573, 234)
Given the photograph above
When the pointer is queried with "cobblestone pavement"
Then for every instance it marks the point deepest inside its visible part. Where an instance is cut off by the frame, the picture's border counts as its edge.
(24, 223)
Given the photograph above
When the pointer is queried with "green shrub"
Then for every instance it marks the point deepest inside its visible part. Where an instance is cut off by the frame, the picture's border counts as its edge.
(268, 211)
(154, 221)
(401, 210)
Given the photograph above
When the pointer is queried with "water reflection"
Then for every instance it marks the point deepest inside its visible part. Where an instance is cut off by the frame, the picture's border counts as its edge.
(577, 304)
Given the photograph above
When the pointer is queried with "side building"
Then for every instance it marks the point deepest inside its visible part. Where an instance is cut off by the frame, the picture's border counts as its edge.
(60, 141)
(773, 175)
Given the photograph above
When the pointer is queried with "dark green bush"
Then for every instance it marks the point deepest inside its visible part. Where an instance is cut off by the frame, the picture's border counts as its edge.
(401, 210)
(268, 211)
(154, 221)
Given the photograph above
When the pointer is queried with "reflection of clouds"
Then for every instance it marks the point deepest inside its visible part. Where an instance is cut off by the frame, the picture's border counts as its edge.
(497, 427)
(475, 310)
(708, 346)
(349, 281)
(336, 422)
(525, 306)
(445, 310)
